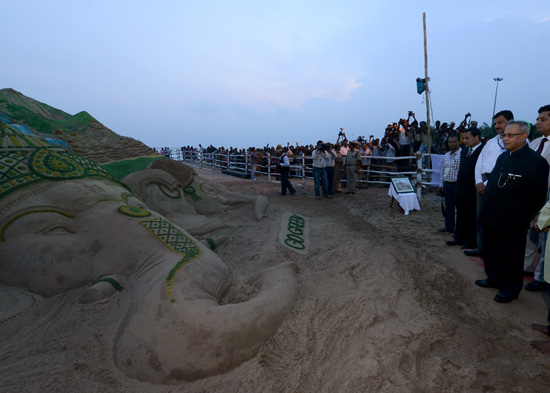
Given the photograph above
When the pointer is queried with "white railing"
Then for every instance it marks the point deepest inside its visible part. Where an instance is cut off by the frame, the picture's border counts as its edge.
(376, 170)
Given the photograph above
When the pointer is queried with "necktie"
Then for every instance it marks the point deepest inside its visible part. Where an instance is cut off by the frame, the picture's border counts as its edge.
(470, 151)
(541, 146)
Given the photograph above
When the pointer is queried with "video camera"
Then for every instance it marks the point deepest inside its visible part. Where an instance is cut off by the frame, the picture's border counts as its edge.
(325, 147)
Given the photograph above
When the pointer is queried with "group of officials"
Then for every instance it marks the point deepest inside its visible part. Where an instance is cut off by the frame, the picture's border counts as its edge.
(500, 191)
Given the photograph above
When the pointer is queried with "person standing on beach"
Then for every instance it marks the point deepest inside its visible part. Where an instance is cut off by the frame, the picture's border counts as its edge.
(353, 162)
(466, 211)
(449, 175)
(255, 158)
(331, 163)
(320, 157)
(284, 170)
(515, 192)
(542, 146)
(493, 148)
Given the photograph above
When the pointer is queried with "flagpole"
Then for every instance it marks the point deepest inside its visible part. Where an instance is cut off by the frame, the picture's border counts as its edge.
(427, 81)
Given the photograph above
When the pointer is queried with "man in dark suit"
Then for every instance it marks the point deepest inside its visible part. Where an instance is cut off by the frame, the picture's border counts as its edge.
(466, 195)
(542, 146)
(516, 190)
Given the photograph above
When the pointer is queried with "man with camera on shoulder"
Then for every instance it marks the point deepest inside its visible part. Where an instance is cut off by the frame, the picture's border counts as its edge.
(320, 157)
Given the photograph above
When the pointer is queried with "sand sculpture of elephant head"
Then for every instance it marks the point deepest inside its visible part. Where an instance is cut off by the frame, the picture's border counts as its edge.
(66, 223)
(176, 191)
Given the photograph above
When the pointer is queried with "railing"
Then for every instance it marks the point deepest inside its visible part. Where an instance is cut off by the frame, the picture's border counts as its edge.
(376, 170)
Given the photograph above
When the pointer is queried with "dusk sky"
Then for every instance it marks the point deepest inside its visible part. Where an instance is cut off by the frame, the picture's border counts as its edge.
(247, 73)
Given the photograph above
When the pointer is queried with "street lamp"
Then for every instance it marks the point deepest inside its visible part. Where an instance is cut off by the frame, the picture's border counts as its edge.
(494, 106)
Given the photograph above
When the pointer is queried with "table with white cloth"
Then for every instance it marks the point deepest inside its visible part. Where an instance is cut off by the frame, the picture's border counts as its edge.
(408, 201)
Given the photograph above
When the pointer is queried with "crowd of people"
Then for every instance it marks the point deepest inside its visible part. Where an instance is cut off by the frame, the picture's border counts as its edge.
(497, 207)
(403, 138)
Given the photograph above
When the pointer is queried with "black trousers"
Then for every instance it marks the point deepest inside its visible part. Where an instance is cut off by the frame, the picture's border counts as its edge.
(466, 221)
(503, 255)
(285, 183)
(330, 179)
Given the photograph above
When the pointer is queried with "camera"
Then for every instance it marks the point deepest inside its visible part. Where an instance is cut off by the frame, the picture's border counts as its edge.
(361, 139)
(325, 147)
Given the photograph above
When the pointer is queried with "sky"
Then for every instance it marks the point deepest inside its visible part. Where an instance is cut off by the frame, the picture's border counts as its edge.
(249, 73)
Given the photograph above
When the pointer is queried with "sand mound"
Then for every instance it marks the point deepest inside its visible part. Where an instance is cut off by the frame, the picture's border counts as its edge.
(181, 172)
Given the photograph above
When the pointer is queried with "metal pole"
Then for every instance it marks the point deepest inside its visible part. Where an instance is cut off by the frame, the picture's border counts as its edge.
(495, 105)
(427, 95)
(427, 89)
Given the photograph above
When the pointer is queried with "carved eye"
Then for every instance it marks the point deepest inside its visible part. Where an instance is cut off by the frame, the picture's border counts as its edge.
(56, 230)
(133, 211)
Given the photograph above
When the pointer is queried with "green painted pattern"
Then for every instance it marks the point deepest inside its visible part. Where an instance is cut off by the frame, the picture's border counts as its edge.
(133, 211)
(178, 196)
(27, 161)
(111, 281)
(176, 241)
(216, 196)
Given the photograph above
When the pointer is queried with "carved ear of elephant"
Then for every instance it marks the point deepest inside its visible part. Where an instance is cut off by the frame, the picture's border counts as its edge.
(140, 181)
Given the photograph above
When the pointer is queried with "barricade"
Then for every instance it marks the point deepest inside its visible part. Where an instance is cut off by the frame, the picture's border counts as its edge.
(376, 170)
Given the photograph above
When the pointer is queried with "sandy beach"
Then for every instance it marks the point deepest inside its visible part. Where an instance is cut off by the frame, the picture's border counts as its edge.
(384, 306)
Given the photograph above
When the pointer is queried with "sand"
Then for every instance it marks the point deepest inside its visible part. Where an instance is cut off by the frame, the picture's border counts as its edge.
(384, 306)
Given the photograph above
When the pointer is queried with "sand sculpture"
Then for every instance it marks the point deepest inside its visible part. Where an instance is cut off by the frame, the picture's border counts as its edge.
(66, 223)
(177, 192)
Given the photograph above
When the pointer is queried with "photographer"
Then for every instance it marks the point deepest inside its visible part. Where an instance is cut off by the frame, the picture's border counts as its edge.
(344, 151)
(320, 156)
(338, 164)
(404, 140)
(331, 162)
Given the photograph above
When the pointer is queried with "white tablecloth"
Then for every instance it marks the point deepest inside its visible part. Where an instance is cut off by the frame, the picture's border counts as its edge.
(406, 201)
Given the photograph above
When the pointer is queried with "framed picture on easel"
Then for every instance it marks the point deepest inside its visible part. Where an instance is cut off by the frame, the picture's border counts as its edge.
(402, 185)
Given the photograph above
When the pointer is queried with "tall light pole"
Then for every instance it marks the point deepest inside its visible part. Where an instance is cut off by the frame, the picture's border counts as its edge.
(495, 106)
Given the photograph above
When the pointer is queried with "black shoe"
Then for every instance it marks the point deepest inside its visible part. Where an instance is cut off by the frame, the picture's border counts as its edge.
(502, 298)
(443, 230)
(473, 253)
(535, 286)
(292, 192)
(328, 197)
(540, 328)
(485, 284)
(453, 243)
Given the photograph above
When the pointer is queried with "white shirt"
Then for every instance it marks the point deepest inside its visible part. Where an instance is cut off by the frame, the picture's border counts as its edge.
(331, 160)
(544, 148)
(344, 151)
(319, 158)
(403, 137)
(488, 157)
(390, 153)
(284, 161)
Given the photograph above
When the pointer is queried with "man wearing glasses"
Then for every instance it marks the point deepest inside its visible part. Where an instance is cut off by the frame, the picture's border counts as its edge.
(542, 147)
(515, 192)
(485, 164)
